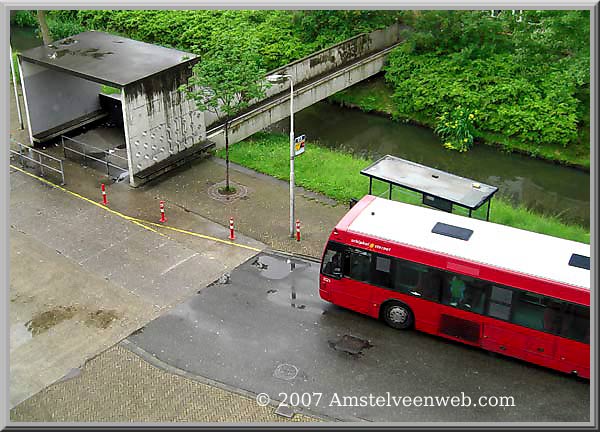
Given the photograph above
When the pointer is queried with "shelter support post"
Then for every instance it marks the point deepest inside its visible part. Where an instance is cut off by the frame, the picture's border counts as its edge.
(370, 185)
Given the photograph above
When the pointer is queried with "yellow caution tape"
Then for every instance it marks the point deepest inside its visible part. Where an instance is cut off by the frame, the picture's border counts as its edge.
(140, 222)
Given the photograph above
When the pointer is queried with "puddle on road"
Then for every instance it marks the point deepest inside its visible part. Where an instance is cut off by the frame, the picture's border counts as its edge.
(350, 344)
(48, 319)
(272, 268)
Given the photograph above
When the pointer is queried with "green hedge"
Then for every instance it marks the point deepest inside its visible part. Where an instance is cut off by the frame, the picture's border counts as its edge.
(528, 79)
(282, 36)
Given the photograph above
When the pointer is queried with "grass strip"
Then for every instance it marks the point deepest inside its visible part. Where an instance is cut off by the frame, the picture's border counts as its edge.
(337, 175)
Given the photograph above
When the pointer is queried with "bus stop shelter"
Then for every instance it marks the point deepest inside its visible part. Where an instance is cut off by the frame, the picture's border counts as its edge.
(439, 189)
(63, 91)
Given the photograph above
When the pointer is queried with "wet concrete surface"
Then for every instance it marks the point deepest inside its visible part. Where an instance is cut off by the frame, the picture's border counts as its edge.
(83, 278)
(265, 329)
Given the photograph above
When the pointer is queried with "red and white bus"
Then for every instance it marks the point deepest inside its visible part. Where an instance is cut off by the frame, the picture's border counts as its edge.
(506, 290)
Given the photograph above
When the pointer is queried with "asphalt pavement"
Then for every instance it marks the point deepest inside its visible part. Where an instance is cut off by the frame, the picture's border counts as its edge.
(265, 330)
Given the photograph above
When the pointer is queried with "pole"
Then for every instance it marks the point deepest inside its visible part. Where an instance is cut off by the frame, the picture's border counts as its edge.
(12, 69)
(163, 219)
(104, 200)
(227, 154)
(292, 151)
(231, 231)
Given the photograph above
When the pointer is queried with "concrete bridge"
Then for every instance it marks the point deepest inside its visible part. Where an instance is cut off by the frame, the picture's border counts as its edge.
(316, 77)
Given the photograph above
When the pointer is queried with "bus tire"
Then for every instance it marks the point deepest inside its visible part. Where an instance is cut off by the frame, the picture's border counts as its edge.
(397, 315)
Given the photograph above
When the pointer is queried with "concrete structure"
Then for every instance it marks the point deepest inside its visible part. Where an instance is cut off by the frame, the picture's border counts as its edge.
(161, 127)
(316, 77)
(62, 83)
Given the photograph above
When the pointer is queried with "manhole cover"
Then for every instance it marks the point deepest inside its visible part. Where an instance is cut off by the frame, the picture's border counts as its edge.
(241, 191)
(350, 344)
(285, 372)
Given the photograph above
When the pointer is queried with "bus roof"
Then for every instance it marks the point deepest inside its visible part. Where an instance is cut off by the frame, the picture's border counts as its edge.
(492, 244)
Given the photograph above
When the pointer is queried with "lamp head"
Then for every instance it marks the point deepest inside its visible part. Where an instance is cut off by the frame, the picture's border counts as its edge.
(275, 78)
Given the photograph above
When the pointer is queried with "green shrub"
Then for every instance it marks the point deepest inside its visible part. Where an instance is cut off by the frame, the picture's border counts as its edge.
(456, 128)
(24, 18)
(527, 78)
(15, 61)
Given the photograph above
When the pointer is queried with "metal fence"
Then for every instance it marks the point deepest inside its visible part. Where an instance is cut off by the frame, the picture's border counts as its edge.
(103, 157)
(44, 161)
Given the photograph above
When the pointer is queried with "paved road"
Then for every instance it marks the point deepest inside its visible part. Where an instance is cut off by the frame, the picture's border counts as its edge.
(250, 333)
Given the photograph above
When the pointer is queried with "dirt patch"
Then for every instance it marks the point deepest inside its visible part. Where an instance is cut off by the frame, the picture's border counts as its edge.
(101, 318)
(48, 319)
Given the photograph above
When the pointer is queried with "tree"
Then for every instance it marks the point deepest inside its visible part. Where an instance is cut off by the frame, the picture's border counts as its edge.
(46, 36)
(226, 80)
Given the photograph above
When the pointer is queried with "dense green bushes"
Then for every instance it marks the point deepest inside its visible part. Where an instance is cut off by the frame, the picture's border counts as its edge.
(528, 79)
(281, 36)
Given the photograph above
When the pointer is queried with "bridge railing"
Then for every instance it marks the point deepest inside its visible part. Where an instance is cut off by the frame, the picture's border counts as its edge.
(328, 60)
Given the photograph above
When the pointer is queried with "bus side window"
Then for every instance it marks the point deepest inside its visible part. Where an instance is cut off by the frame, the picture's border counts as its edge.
(537, 312)
(382, 272)
(576, 323)
(431, 284)
(406, 277)
(500, 302)
(360, 265)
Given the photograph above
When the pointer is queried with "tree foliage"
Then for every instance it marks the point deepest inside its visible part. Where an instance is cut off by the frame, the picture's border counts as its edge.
(529, 79)
(227, 79)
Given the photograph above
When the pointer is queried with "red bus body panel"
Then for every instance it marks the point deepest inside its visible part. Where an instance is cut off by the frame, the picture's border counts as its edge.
(535, 346)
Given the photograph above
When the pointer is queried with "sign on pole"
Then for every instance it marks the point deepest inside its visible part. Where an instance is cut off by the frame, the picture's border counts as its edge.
(299, 144)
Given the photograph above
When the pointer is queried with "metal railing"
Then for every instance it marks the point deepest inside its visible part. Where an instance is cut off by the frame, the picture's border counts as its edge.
(28, 153)
(107, 159)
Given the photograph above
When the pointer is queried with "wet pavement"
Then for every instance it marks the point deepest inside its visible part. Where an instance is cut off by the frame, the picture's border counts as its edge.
(83, 278)
(265, 329)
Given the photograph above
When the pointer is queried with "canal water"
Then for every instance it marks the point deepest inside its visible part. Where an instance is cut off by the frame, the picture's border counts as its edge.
(542, 186)
(23, 38)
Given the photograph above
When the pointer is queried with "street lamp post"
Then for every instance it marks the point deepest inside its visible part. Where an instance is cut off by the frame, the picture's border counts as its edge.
(276, 78)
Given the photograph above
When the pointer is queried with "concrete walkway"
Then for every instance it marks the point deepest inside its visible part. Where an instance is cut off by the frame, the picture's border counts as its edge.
(83, 277)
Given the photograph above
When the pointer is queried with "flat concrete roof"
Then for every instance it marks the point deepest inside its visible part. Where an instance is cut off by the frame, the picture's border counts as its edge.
(420, 178)
(104, 58)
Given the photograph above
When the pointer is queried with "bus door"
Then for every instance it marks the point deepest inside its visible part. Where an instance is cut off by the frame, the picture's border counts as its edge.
(354, 291)
(499, 336)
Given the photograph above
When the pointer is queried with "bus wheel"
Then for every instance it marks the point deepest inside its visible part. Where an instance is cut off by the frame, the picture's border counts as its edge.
(397, 315)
